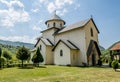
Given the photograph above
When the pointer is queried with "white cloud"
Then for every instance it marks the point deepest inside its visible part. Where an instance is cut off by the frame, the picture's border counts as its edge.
(62, 6)
(59, 3)
(43, 1)
(37, 26)
(24, 38)
(9, 17)
(34, 10)
(68, 1)
(51, 7)
(12, 3)
(62, 12)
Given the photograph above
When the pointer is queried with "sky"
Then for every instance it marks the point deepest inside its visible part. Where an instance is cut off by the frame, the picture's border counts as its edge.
(22, 20)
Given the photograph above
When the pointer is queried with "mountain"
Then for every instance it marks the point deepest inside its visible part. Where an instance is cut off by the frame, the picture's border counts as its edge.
(28, 45)
(11, 43)
(101, 48)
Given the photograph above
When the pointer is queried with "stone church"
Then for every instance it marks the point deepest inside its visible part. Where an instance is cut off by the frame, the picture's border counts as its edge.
(74, 45)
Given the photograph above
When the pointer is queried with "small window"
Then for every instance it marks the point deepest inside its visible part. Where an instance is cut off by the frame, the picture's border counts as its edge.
(48, 25)
(60, 24)
(61, 52)
(54, 24)
(40, 47)
(91, 32)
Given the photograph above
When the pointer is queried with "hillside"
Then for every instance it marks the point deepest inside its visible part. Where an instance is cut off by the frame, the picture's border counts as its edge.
(10, 43)
(101, 48)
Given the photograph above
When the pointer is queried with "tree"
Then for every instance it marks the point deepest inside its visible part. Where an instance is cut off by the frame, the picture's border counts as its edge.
(37, 58)
(0, 57)
(7, 55)
(23, 54)
(115, 64)
(2, 60)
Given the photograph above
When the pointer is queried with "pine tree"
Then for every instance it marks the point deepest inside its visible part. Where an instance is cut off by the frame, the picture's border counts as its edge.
(37, 58)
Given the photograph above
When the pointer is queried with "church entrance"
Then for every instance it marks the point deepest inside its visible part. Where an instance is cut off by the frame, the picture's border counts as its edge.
(93, 53)
(93, 60)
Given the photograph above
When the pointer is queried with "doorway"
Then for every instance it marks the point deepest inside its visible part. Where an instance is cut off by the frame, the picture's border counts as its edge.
(93, 60)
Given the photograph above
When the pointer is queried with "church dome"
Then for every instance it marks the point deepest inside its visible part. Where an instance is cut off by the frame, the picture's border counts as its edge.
(55, 18)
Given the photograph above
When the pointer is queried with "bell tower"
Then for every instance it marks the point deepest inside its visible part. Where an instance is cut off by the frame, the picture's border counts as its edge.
(55, 21)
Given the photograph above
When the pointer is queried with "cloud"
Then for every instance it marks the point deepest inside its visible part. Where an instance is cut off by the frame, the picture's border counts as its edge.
(43, 1)
(37, 26)
(77, 6)
(62, 12)
(12, 3)
(14, 14)
(59, 6)
(62, 6)
(34, 10)
(24, 38)
(51, 7)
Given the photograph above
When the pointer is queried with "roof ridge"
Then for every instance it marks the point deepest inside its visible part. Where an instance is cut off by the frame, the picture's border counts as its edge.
(50, 42)
(72, 44)
(75, 25)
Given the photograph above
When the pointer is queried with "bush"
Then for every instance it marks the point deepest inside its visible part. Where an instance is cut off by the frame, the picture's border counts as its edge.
(115, 64)
(99, 62)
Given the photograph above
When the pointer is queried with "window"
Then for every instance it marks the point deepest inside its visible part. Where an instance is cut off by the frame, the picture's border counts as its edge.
(91, 32)
(48, 25)
(60, 24)
(40, 47)
(54, 24)
(61, 52)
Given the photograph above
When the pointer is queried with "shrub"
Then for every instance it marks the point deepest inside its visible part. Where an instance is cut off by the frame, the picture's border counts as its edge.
(115, 64)
(99, 62)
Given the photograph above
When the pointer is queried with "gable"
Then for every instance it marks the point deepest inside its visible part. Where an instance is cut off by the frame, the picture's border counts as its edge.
(92, 21)
(45, 41)
(67, 43)
(40, 43)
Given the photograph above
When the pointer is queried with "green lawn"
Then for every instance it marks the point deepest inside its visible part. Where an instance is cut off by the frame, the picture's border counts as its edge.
(60, 74)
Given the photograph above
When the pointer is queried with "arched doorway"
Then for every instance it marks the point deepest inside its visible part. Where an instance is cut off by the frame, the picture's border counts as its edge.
(93, 60)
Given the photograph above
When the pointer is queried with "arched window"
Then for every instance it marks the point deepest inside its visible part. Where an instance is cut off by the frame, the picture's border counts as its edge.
(40, 47)
(91, 30)
(61, 52)
(48, 25)
(54, 24)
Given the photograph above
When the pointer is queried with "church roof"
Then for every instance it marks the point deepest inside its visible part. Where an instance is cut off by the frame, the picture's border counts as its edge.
(49, 29)
(55, 17)
(77, 25)
(45, 41)
(68, 43)
(34, 49)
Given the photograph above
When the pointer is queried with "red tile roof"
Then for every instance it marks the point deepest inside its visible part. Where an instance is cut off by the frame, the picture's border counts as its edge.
(116, 47)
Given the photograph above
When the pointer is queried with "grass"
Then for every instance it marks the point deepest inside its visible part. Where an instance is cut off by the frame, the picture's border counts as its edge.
(59, 74)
